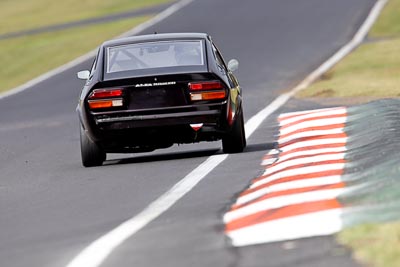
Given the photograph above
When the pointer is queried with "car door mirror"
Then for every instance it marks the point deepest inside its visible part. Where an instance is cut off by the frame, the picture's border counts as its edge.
(233, 65)
(83, 75)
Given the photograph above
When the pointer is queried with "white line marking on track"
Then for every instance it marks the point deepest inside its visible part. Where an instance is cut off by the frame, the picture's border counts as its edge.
(254, 122)
(98, 251)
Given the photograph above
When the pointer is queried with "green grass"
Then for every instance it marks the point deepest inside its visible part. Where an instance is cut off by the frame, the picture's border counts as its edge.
(388, 24)
(27, 57)
(372, 70)
(17, 15)
(373, 244)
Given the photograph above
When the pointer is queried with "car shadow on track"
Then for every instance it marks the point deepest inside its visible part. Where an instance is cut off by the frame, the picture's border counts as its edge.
(259, 147)
(165, 157)
(186, 154)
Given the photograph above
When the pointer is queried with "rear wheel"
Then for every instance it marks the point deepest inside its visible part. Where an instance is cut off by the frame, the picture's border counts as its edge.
(92, 154)
(235, 140)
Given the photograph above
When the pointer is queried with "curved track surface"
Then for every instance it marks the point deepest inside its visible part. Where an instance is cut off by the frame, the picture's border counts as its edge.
(52, 208)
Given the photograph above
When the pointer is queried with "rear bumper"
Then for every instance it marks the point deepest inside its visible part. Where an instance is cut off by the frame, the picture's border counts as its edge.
(162, 126)
(131, 121)
(214, 113)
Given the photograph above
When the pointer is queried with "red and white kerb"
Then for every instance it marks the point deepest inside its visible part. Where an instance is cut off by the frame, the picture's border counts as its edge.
(296, 196)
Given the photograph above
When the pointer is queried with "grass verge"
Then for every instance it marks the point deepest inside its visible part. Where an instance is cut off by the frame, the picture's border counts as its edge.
(372, 70)
(374, 244)
(29, 14)
(24, 58)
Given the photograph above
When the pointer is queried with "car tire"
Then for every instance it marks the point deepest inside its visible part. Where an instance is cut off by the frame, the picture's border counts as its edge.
(235, 140)
(92, 154)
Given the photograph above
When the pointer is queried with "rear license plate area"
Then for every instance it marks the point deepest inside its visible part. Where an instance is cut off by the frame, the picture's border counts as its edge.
(145, 98)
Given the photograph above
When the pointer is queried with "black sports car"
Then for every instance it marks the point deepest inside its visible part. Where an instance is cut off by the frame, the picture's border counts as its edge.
(153, 91)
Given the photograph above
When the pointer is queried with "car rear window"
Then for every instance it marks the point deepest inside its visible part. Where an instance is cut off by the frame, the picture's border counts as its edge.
(152, 55)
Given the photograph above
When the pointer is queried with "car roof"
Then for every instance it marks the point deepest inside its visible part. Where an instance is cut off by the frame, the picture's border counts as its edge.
(154, 38)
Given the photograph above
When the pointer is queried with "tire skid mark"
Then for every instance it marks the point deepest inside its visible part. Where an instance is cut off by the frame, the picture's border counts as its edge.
(300, 185)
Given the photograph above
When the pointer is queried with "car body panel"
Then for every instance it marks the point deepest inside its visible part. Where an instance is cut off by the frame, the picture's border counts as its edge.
(157, 106)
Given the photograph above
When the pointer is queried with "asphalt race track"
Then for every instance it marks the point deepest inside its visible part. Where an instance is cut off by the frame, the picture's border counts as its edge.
(51, 207)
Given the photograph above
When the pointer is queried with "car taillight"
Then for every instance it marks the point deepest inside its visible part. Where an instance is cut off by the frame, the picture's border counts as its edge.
(205, 86)
(207, 91)
(106, 93)
(106, 98)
